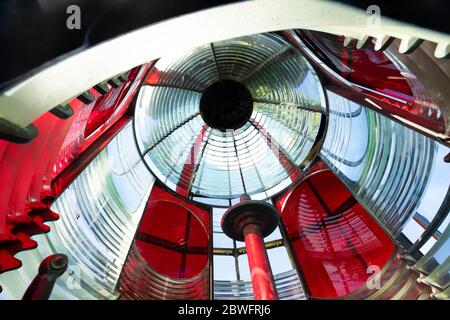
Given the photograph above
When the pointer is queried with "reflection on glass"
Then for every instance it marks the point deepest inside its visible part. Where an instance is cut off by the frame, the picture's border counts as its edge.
(333, 238)
(169, 258)
(385, 165)
(436, 263)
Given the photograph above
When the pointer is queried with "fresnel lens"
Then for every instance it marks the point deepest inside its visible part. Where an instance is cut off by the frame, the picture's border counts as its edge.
(285, 165)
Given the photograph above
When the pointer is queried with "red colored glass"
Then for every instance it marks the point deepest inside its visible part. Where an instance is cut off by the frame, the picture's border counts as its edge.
(376, 71)
(333, 238)
(173, 236)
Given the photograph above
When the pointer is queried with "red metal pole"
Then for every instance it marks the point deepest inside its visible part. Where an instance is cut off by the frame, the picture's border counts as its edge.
(261, 274)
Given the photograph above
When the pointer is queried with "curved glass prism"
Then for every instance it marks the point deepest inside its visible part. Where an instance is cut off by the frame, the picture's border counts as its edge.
(260, 157)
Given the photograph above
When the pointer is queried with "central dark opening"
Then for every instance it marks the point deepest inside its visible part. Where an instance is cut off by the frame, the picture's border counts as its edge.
(226, 104)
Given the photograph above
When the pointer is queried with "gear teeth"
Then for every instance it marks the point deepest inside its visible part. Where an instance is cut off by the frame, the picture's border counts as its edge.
(86, 97)
(26, 243)
(383, 42)
(44, 214)
(39, 226)
(13, 133)
(29, 225)
(114, 82)
(21, 229)
(63, 111)
(408, 45)
(364, 42)
(442, 50)
(9, 263)
(350, 42)
(7, 238)
(122, 78)
(101, 88)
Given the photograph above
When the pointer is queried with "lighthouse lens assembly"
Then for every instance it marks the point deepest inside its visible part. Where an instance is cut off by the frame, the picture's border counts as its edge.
(239, 165)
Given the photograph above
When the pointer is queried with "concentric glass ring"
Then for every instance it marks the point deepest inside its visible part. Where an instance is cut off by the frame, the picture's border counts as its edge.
(260, 158)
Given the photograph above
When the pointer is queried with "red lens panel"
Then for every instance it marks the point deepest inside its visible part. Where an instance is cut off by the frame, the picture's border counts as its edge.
(334, 239)
(173, 236)
(376, 71)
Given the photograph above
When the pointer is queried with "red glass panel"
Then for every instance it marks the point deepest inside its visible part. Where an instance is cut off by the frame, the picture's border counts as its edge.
(164, 261)
(363, 66)
(333, 238)
(165, 220)
(375, 70)
(173, 236)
